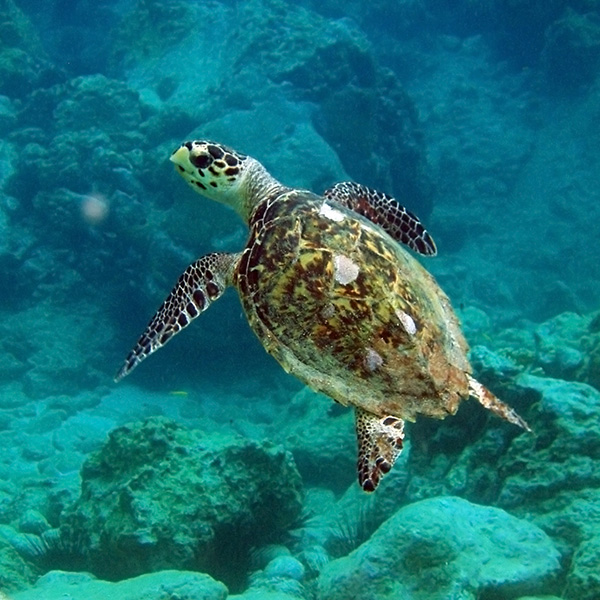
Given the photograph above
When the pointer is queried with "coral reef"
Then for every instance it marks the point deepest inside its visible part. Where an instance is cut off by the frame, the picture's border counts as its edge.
(583, 579)
(158, 496)
(486, 111)
(574, 39)
(566, 346)
(320, 436)
(24, 65)
(553, 476)
(363, 111)
(441, 548)
(15, 573)
(57, 585)
(548, 477)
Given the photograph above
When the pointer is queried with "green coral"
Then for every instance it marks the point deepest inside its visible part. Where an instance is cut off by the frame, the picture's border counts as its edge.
(15, 573)
(159, 496)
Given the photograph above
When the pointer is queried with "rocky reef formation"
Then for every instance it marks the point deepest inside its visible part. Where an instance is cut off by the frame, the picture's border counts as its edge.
(15, 572)
(320, 434)
(24, 64)
(548, 477)
(486, 111)
(160, 496)
(57, 585)
(445, 548)
(279, 53)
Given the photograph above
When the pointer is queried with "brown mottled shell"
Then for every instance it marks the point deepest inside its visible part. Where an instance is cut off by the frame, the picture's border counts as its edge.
(348, 311)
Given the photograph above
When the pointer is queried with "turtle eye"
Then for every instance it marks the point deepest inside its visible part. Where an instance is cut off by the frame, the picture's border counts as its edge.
(215, 151)
(200, 161)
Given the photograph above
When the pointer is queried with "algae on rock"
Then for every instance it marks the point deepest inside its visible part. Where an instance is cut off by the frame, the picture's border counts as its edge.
(444, 548)
(161, 496)
(58, 585)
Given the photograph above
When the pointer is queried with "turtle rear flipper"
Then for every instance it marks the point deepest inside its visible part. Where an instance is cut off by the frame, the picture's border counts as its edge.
(201, 284)
(380, 442)
(487, 399)
(385, 211)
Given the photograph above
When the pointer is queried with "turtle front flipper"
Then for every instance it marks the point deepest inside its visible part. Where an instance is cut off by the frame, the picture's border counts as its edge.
(385, 211)
(380, 442)
(201, 284)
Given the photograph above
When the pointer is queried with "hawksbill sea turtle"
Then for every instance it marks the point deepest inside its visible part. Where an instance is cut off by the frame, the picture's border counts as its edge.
(333, 297)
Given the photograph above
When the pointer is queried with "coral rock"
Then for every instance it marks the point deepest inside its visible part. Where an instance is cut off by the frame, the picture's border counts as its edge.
(160, 496)
(444, 548)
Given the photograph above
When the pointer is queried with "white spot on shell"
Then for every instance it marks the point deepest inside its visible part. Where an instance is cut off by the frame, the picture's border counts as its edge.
(372, 360)
(326, 312)
(345, 270)
(407, 321)
(331, 213)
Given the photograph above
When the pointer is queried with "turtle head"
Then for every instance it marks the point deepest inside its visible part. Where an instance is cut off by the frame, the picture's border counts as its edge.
(222, 174)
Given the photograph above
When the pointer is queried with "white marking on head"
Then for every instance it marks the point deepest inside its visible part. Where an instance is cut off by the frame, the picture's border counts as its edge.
(407, 321)
(331, 213)
(344, 269)
(372, 360)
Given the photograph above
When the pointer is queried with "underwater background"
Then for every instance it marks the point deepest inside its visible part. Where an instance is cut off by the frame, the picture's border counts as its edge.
(209, 473)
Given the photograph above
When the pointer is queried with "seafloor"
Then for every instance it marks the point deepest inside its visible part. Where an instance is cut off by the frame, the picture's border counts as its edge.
(209, 473)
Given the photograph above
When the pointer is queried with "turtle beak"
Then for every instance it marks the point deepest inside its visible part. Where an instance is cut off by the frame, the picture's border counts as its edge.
(180, 156)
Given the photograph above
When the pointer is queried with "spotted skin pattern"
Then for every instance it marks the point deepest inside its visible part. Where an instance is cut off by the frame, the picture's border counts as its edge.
(217, 161)
(386, 212)
(203, 282)
(380, 442)
(333, 298)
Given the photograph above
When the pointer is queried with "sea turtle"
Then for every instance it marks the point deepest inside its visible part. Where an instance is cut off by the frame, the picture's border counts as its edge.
(333, 296)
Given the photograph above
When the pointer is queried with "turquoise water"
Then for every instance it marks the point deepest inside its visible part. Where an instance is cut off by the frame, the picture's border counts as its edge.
(209, 472)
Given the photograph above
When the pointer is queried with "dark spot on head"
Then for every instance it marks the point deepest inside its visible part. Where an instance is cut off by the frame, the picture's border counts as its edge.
(200, 185)
(188, 145)
(215, 151)
(213, 183)
(220, 164)
(201, 161)
(181, 169)
(231, 171)
(231, 160)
